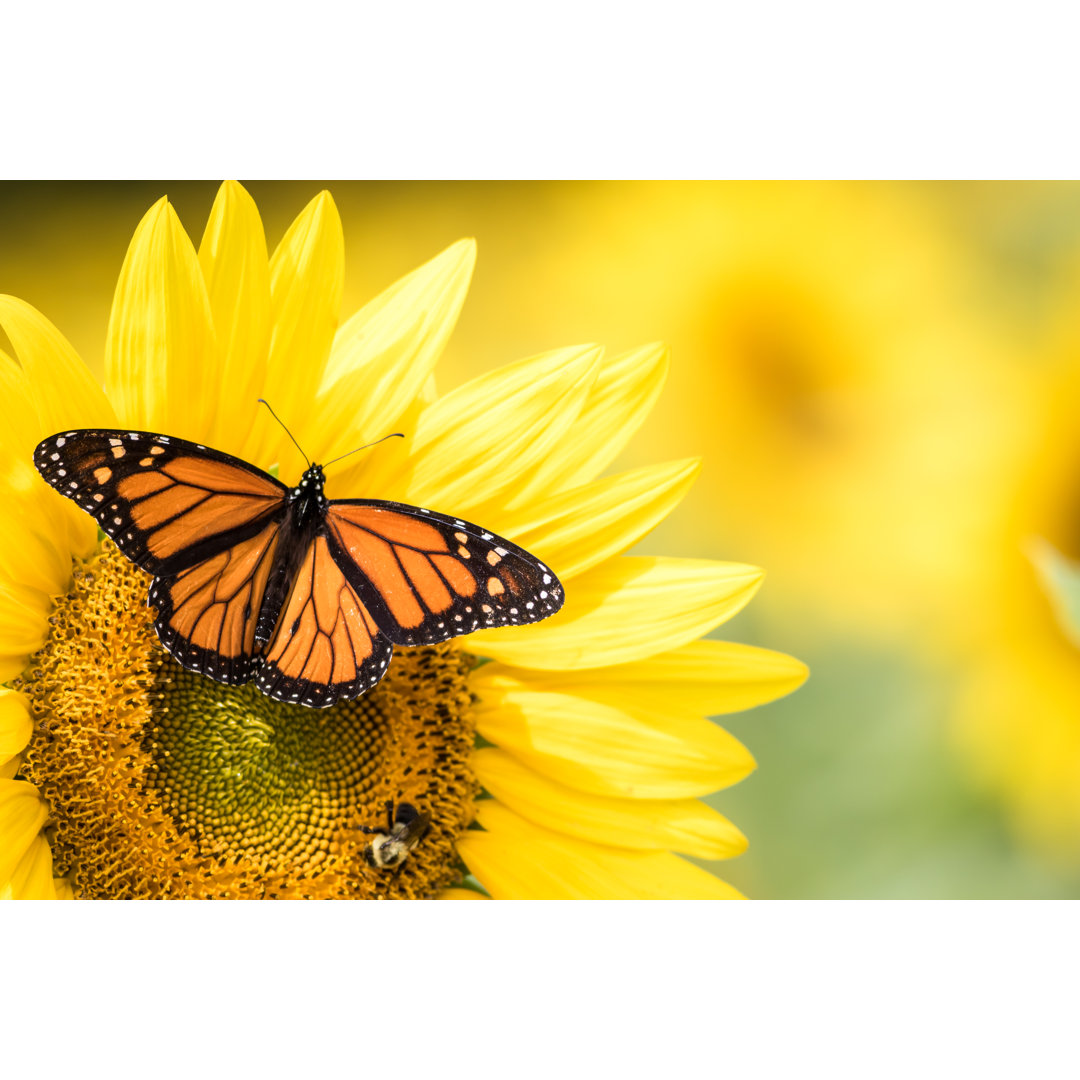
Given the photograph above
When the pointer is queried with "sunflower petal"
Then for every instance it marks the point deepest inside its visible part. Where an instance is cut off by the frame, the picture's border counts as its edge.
(461, 894)
(684, 825)
(624, 610)
(22, 629)
(236, 269)
(577, 530)
(624, 393)
(15, 724)
(161, 323)
(35, 560)
(307, 276)
(23, 812)
(32, 878)
(703, 678)
(499, 434)
(50, 391)
(21, 430)
(603, 750)
(516, 860)
(382, 357)
(54, 525)
(65, 394)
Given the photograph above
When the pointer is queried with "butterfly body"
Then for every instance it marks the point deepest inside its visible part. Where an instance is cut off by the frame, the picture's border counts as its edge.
(303, 594)
(302, 516)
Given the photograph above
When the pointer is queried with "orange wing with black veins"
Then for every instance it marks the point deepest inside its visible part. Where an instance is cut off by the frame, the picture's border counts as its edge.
(167, 503)
(326, 646)
(207, 613)
(426, 577)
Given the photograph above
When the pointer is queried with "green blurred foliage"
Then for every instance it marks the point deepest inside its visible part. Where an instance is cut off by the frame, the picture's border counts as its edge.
(858, 794)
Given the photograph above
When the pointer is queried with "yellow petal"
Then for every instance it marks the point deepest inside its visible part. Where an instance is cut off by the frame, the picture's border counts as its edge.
(23, 812)
(461, 894)
(307, 274)
(10, 768)
(598, 748)
(64, 891)
(161, 363)
(32, 878)
(685, 825)
(21, 430)
(706, 678)
(624, 393)
(624, 610)
(236, 270)
(382, 357)
(65, 394)
(576, 530)
(32, 507)
(15, 724)
(498, 435)
(35, 562)
(22, 632)
(60, 393)
(516, 860)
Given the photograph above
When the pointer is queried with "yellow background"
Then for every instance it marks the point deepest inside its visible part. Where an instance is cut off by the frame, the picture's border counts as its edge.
(881, 381)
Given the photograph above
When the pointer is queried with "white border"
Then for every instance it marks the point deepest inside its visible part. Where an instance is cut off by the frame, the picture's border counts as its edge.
(542, 989)
(583, 89)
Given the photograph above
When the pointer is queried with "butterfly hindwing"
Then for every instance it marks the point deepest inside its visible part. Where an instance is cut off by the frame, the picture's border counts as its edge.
(207, 614)
(326, 646)
(426, 577)
(167, 503)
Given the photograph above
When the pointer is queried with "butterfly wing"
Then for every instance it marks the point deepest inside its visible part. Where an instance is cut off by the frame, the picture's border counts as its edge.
(326, 647)
(207, 614)
(167, 503)
(426, 577)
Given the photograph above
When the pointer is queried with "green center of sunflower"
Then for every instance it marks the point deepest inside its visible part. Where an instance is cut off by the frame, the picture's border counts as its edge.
(163, 783)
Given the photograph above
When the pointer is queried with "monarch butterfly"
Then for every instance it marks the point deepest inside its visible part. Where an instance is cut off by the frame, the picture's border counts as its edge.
(405, 828)
(305, 595)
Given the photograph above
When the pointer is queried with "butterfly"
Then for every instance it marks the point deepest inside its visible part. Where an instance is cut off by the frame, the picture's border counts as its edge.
(305, 595)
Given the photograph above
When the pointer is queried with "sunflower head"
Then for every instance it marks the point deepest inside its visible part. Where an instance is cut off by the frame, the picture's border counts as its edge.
(571, 765)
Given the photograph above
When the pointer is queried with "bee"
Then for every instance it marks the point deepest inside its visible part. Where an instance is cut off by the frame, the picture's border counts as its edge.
(405, 828)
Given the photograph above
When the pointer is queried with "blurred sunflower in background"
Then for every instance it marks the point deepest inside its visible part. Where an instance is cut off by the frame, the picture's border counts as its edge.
(1019, 716)
(123, 775)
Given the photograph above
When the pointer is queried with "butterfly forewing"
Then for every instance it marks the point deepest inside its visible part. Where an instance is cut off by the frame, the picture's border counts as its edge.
(427, 577)
(167, 503)
(326, 646)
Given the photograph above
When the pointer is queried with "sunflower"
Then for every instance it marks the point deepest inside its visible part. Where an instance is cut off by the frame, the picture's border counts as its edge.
(1019, 662)
(565, 759)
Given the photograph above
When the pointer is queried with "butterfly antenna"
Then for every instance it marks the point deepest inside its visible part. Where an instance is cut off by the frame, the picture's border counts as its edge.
(287, 431)
(395, 435)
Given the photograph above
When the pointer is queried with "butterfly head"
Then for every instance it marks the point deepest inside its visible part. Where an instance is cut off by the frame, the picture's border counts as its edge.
(312, 481)
(307, 496)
